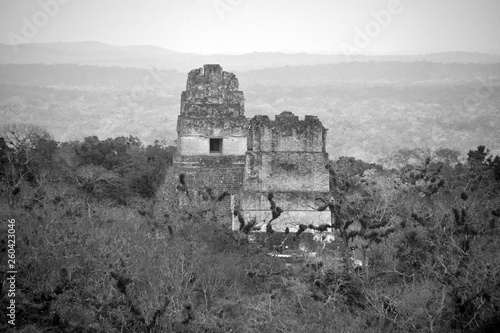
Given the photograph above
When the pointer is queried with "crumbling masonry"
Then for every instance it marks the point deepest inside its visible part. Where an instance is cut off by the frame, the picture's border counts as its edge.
(218, 146)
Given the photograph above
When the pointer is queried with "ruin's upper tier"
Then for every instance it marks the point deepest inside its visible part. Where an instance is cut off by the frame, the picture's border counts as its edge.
(286, 133)
(212, 92)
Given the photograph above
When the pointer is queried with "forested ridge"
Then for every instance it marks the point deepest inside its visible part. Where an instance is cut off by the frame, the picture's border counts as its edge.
(371, 109)
(102, 245)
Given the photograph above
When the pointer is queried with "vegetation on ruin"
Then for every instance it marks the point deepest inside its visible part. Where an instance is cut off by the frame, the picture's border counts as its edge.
(94, 254)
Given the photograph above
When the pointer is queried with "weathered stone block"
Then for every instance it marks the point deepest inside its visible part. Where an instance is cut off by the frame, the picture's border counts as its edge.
(220, 148)
(286, 133)
(286, 171)
(288, 219)
(212, 126)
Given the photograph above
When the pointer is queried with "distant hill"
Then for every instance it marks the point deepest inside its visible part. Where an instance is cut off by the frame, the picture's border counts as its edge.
(370, 108)
(100, 54)
(71, 75)
(381, 73)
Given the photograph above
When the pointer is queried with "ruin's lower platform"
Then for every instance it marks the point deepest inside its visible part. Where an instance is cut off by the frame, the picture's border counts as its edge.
(299, 208)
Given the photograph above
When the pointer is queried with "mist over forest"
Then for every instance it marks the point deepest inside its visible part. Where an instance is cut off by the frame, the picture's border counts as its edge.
(372, 106)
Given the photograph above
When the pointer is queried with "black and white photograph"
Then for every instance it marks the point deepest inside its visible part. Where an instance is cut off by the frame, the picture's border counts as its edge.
(250, 166)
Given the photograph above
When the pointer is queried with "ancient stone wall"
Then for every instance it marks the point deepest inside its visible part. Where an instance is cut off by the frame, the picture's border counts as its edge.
(212, 131)
(286, 157)
(286, 171)
(212, 92)
(212, 107)
(286, 154)
(218, 147)
(221, 173)
(286, 134)
(299, 208)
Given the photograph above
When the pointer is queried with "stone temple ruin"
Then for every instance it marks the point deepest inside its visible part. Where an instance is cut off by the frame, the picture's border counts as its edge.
(218, 146)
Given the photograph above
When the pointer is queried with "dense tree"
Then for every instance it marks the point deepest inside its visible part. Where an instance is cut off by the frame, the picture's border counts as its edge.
(131, 168)
(449, 246)
(150, 167)
(447, 156)
(361, 213)
(26, 156)
(481, 160)
(90, 259)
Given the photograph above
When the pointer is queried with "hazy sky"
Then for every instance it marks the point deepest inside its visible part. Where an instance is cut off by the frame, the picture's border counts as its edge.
(240, 26)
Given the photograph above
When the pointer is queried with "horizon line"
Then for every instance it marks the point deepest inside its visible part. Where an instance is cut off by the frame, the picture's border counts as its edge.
(318, 53)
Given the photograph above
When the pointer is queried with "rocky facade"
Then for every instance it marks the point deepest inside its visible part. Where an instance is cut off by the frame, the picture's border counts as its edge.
(219, 147)
(212, 108)
(287, 157)
(212, 130)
